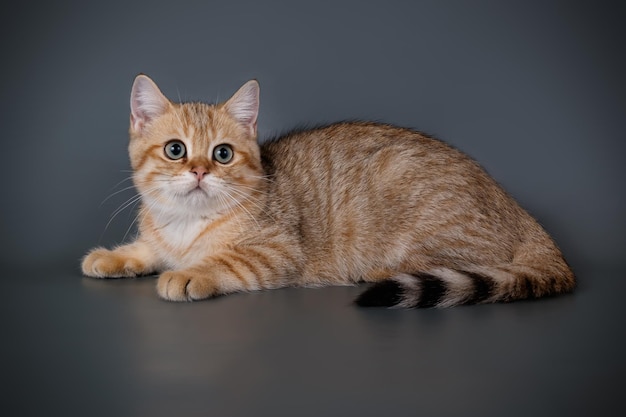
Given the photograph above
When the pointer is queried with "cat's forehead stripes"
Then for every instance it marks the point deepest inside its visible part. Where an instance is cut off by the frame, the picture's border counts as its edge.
(196, 120)
(205, 125)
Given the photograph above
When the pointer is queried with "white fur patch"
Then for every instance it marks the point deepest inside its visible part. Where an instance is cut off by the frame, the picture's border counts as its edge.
(459, 286)
(411, 293)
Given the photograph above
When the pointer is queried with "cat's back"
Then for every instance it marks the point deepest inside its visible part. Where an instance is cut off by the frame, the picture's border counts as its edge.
(376, 171)
(360, 148)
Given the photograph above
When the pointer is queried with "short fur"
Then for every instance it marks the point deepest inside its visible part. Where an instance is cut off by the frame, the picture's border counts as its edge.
(335, 205)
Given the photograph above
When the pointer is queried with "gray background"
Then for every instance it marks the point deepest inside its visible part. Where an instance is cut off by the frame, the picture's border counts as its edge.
(534, 90)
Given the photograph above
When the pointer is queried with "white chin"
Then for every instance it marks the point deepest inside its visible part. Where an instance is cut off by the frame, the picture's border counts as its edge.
(197, 198)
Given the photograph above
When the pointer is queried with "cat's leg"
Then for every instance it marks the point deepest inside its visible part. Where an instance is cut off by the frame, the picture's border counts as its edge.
(243, 268)
(125, 261)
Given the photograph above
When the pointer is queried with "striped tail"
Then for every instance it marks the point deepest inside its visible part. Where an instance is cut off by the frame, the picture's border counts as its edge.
(444, 287)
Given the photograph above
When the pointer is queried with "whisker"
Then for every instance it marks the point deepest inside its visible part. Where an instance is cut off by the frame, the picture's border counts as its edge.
(230, 209)
(127, 204)
(248, 198)
(124, 180)
(240, 205)
(131, 201)
(115, 193)
(180, 100)
(139, 214)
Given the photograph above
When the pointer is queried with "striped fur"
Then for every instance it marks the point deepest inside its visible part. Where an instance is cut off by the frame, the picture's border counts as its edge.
(335, 205)
(442, 287)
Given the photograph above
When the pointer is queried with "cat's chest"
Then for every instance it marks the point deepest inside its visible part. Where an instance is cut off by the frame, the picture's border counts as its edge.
(182, 233)
(186, 242)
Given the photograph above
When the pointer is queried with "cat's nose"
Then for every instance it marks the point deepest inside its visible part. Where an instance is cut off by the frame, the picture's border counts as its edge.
(199, 172)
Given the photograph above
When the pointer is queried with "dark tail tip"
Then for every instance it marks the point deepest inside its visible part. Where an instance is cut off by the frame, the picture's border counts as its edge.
(382, 294)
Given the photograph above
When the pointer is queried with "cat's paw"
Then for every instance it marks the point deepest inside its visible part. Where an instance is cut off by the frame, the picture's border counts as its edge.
(103, 263)
(185, 285)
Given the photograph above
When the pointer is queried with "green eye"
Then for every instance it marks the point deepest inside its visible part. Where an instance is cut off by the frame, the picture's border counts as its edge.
(175, 149)
(223, 153)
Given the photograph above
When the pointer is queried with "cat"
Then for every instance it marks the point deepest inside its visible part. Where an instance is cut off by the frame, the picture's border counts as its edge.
(336, 205)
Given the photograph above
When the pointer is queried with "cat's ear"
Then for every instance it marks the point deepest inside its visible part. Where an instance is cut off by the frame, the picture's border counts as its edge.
(146, 102)
(244, 106)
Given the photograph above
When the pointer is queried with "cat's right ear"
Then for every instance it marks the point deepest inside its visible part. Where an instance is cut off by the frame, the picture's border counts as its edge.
(146, 103)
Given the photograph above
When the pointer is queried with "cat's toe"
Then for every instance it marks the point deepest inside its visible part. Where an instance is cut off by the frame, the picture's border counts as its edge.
(184, 286)
(94, 264)
(172, 285)
(103, 263)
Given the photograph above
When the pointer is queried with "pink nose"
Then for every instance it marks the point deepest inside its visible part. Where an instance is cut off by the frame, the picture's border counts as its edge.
(199, 172)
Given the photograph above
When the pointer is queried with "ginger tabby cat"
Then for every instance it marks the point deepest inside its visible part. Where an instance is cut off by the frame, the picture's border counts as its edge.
(335, 205)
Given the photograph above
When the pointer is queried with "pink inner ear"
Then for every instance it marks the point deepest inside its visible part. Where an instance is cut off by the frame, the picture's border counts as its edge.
(244, 105)
(146, 102)
(136, 123)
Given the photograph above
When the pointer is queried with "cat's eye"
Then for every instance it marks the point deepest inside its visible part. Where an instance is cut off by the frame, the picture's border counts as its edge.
(175, 149)
(223, 153)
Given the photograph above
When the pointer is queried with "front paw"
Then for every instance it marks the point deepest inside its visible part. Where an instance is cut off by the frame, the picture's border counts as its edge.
(185, 285)
(103, 263)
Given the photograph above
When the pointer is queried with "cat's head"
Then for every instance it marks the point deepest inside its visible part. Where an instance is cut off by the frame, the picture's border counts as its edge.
(194, 158)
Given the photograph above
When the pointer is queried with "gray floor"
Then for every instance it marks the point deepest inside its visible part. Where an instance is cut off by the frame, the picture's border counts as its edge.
(80, 346)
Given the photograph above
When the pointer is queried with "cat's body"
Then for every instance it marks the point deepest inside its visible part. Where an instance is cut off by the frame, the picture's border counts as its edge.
(335, 205)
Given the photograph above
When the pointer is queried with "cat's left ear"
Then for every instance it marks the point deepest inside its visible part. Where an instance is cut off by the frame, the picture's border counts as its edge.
(244, 106)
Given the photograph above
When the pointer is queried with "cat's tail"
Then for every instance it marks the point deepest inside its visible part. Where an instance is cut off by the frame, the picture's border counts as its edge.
(444, 287)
